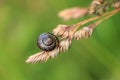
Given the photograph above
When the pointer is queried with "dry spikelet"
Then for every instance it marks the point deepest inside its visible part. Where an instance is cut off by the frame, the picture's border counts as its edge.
(116, 4)
(94, 5)
(64, 45)
(64, 31)
(42, 56)
(67, 34)
(60, 29)
(86, 32)
(54, 52)
(38, 57)
(72, 13)
(99, 6)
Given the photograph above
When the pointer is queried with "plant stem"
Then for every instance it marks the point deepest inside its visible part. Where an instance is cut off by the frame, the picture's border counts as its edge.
(100, 21)
(95, 18)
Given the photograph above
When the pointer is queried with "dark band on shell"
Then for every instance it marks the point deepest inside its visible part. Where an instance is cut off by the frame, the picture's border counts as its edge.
(47, 42)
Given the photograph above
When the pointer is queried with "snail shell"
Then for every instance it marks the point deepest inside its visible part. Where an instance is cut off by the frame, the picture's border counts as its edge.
(47, 42)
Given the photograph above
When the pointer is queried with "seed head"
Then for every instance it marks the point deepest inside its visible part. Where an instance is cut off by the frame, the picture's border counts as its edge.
(64, 45)
(72, 13)
(116, 4)
(64, 31)
(60, 29)
(86, 32)
(98, 7)
(54, 52)
(42, 56)
(38, 57)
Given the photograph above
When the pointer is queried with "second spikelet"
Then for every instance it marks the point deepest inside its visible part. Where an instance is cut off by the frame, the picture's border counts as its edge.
(86, 32)
(98, 7)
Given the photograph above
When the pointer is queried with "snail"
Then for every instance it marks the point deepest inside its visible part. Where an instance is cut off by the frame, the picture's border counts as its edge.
(47, 42)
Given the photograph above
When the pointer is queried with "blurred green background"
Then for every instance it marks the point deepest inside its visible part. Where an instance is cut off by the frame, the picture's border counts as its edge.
(21, 22)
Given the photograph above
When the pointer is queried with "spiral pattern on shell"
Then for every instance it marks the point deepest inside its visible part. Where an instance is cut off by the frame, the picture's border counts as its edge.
(47, 42)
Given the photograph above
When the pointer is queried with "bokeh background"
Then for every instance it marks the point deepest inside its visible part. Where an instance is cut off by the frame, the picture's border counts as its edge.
(22, 21)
